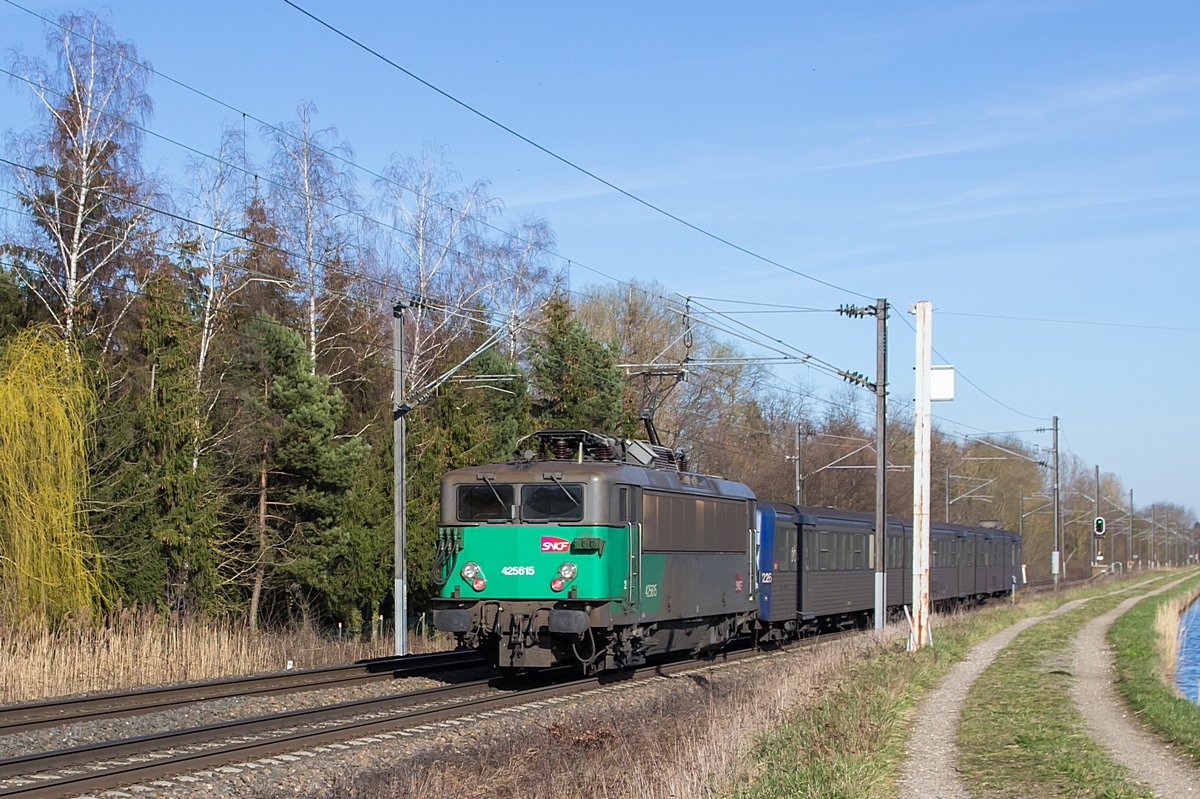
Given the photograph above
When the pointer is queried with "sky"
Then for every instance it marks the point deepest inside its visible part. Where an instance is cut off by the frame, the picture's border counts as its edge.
(1007, 161)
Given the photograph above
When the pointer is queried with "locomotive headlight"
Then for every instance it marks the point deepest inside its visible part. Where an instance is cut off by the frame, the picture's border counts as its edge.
(567, 571)
(470, 571)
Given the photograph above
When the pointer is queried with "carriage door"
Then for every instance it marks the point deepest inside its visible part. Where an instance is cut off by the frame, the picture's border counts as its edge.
(629, 507)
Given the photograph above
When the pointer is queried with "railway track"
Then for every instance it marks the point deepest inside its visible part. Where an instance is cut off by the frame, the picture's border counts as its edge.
(34, 715)
(97, 767)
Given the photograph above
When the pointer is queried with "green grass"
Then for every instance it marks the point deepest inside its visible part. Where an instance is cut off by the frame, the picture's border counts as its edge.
(850, 742)
(1021, 734)
(1140, 675)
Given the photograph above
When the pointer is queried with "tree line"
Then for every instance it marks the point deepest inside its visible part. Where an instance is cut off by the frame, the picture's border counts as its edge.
(233, 328)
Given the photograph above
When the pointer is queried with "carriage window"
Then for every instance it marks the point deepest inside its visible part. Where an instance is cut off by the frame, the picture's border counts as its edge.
(623, 505)
(808, 553)
(785, 547)
(482, 503)
(954, 552)
(552, 502)
(823, 552)
(858, 552)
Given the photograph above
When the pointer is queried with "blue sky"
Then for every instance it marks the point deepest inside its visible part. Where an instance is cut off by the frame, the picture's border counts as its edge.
(1011, 159)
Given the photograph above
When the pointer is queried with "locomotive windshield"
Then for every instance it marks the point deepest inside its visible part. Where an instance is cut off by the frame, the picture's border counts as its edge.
(556, 502)
(484, 503)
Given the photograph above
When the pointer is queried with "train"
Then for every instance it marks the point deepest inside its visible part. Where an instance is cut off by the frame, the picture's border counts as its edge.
(600, 553)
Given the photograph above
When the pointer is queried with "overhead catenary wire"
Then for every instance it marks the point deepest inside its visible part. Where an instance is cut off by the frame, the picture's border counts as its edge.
(567, 161)
(726, 314)
(800, 356)
(1087, 322)
(245, 168)
(330, 153)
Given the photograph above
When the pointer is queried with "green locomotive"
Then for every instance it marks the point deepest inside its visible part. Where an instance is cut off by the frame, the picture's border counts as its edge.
(593, 551)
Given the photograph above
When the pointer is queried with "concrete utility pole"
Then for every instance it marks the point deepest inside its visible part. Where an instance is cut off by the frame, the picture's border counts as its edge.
(947, 495)
(1097, 551)
(399, 478)
(1153, 524)
(799, 451)
(921, 476)
(1129, 536)
(1056, 557)
(881, 314)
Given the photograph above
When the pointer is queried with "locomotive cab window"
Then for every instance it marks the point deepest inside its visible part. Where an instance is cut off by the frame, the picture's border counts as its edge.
(552, 502)
(484, 503)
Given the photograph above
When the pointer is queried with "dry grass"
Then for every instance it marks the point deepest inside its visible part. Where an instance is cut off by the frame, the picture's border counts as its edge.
(686, 737)
(1166, 624)
(133, 649)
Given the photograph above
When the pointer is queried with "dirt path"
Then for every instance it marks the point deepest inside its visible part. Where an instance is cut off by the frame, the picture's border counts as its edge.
(1109, 721)
(931, 768)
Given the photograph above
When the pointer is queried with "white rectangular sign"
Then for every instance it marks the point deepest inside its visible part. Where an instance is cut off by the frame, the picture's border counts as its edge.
(941, 383)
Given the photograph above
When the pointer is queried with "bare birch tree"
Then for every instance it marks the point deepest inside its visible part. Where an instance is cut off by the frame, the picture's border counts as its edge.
(430, 220)
(78, 173)
(517, 272)
(312, 191)
(217, 199)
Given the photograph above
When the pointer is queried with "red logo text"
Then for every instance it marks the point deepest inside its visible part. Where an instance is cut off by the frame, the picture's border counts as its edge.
(552, 544)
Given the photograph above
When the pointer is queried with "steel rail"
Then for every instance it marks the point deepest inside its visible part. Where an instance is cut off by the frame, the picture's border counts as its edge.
(125, 747)
(46, 785)
(50, 713)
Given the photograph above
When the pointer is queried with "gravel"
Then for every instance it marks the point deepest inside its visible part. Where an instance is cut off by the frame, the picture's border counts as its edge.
(1109, 721)
(209, 712)
(323, 769)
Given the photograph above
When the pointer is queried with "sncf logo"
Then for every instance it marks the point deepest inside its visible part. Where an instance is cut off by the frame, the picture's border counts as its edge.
(552, 544)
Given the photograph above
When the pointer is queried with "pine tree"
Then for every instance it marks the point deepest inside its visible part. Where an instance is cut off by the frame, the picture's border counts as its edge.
(575, 378)
(298, 470)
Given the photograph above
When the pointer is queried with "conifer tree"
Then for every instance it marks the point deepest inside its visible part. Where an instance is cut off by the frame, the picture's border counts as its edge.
(298, 469)
(575, 378)
(158, 515)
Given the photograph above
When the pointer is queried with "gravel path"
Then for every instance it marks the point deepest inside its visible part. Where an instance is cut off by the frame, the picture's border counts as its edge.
(1151, 762)
(931, 768)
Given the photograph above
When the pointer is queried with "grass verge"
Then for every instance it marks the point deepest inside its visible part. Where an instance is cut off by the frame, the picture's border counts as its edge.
(851, 742)
(1021, 734)
(1141, 674)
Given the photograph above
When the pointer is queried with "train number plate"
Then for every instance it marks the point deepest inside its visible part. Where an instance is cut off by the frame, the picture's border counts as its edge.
(517, 571)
